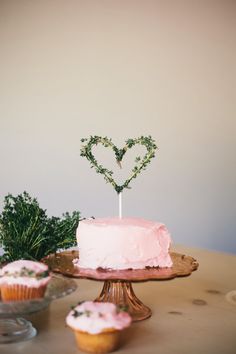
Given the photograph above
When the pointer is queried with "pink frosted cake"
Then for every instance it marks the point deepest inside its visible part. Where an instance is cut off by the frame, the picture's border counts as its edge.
(126, 243)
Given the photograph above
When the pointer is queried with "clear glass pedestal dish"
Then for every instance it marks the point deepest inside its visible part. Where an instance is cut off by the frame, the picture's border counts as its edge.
(117, 286)
(14, 327)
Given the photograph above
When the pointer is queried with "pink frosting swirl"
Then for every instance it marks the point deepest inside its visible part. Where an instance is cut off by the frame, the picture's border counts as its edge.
(10, 274)
(16, 266)
(95, 317)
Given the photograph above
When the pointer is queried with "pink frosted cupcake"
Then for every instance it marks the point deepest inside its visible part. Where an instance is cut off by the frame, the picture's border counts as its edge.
(23, 280)
(97, 326)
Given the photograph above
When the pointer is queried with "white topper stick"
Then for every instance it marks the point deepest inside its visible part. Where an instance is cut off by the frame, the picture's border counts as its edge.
(120, 205)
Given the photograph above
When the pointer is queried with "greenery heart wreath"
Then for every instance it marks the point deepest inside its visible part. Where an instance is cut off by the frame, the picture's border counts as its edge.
(141, 163)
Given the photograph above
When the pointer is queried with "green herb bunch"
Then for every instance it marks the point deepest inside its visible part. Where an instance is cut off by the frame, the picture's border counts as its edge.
(26, 232)
(140, 163)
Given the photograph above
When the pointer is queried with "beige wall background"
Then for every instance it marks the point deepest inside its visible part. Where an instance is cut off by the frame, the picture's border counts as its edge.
(70, 69)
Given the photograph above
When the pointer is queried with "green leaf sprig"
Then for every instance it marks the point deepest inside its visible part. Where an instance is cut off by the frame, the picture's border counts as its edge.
(26, 232)
(140, 163)
(77, 313)
(28, 273)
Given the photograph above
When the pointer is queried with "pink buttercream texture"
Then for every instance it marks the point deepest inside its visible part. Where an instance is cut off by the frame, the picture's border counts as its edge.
(123, 243)
(17, 266)
(102, 316)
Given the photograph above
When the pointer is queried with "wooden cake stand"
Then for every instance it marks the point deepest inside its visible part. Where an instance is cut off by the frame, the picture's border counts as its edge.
(117, 286)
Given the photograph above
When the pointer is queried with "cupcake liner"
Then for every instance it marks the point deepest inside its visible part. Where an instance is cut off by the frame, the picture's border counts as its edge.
(101, 343)
(17, 292)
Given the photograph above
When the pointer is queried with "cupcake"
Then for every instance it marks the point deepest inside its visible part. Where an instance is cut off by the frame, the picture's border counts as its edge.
(97, 326)
(23, 280)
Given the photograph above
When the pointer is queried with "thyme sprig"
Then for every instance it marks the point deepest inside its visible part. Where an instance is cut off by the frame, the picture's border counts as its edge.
(28, 273)
(77, 312)
(26, 232)
(141, 163)
(122, 308)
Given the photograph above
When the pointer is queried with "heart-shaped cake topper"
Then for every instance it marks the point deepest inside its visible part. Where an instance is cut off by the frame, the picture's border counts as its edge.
(141, 163)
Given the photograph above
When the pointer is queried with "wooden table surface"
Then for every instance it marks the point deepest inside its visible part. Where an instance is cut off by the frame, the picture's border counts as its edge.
(195, 314)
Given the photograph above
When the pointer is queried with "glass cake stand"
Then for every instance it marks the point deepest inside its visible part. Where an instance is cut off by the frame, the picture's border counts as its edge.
(117, 286)
(13, 327)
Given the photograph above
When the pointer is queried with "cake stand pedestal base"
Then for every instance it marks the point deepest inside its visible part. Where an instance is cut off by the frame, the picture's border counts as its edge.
(117, 286)
(121, 293)
(15, 330)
